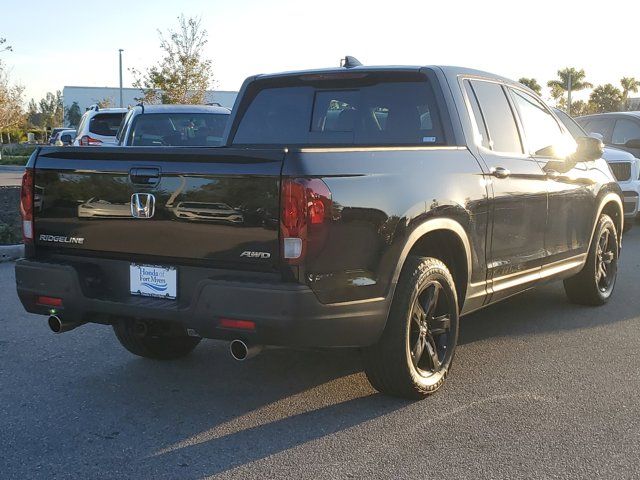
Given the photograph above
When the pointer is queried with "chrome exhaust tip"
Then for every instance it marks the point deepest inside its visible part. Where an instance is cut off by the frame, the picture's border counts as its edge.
(242, 351)
(58, 325)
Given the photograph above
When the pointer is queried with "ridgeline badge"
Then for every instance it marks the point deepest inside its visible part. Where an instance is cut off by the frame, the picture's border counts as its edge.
(61, 239)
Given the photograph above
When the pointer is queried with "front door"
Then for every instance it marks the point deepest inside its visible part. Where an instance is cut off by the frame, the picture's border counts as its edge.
(516, 242)
(571, 200)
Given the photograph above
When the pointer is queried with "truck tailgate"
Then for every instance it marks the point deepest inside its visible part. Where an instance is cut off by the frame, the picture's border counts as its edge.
(218, 205)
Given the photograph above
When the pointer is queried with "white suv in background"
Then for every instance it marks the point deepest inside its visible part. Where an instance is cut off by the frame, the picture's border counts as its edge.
(98, 126)
(625, 167)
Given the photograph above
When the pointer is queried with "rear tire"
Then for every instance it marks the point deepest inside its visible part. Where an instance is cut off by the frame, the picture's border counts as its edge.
(596, 281)
(153, 345)
(414, 354)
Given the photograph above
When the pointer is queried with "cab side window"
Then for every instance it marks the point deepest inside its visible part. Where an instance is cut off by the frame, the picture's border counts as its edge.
(541, 130)
(498, 117)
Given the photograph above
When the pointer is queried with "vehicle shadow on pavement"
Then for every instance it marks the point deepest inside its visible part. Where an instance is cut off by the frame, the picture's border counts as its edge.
(546, 309)
(210, 414)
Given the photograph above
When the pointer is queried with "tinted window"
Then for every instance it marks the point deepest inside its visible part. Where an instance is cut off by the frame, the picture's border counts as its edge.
(624, 131)
(540, 128)
(106, 124)
(362, 112)
(570, 124)
(598, 125)
(481, 128)
(498, 117)
(178, 129)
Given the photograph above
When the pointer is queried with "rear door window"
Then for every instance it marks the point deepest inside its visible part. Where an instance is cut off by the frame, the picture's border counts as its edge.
(624, 131)
(598, 125)
(106, 124)
(498, 117)
(478, 121)
(362, 112)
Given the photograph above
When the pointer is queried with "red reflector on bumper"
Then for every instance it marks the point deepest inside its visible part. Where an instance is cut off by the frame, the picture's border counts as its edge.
(237, 324)
(49, 301)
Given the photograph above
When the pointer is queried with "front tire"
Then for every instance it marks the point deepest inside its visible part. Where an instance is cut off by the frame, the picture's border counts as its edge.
(158, 345)
(415, 352)
(595, 282)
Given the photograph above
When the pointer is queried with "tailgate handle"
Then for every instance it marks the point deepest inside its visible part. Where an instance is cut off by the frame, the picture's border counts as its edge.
(145, 176)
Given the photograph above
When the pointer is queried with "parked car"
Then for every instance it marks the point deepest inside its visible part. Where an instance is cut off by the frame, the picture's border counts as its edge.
(54, 133)
(208, 212)
(173, 125)
(98, 126)
(624, 166)
(64, 138)
(392, 223)
(619, 129)
(96, 207)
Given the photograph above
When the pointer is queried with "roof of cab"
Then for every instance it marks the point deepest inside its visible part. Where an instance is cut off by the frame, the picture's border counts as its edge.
(449, 71)
(635, 114)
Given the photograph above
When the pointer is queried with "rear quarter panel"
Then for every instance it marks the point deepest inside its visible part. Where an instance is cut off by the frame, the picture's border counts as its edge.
(380, 196)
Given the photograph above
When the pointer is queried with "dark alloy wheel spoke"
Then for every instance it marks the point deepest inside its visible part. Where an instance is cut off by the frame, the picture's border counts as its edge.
(433, 353)
(433, 294)
(418, 350)
(439, 325)
(418, 314)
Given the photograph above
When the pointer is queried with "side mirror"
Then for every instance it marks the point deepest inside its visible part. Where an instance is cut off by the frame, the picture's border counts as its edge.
(633, 143)
(589, 149)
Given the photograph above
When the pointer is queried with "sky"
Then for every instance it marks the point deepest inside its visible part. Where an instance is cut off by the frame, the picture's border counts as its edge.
(73, 43)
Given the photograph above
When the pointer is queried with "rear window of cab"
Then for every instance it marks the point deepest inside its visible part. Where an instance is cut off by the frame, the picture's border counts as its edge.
(361, 109)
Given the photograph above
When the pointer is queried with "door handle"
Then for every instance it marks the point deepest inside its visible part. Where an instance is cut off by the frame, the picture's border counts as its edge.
(145, 176)
(500, 172)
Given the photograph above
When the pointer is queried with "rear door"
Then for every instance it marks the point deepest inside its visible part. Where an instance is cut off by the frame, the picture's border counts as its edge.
(215, 206)
(520, 194)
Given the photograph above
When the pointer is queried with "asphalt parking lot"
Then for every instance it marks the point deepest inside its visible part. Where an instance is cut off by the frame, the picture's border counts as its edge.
(540, 389)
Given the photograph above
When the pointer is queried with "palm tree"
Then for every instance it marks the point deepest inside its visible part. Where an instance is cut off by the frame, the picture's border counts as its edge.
(569, 79)
(605, 98)
(629, 84)
(532, 83)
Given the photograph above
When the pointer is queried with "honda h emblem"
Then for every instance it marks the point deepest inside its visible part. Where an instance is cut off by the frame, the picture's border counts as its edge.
(143, 205)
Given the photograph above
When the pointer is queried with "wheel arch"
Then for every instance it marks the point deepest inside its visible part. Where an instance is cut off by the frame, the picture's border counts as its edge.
(446, 240)
(611, 204)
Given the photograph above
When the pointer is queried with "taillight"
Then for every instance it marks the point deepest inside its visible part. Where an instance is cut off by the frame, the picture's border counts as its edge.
(26, 205)
(86, 141)
(305, 215)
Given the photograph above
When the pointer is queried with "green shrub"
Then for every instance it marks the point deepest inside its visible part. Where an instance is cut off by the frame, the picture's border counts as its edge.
(13, 160)
(18, 150)
(7, 235)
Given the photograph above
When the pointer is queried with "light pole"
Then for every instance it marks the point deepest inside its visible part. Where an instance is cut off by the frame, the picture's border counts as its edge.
(570, 85)
(120, 55)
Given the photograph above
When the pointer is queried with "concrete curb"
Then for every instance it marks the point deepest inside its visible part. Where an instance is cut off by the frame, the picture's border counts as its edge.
(11, 252)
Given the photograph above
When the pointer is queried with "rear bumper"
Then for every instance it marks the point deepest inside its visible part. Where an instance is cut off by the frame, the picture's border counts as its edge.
(284, 313)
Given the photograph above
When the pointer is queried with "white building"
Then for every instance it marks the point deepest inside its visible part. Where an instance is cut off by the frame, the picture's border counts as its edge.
(634, 104)
(87, 96)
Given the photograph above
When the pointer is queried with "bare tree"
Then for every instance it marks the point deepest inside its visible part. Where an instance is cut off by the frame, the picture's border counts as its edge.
(183, 74)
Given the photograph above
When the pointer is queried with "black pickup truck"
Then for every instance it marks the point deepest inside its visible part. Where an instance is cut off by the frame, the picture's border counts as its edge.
(357, 206)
